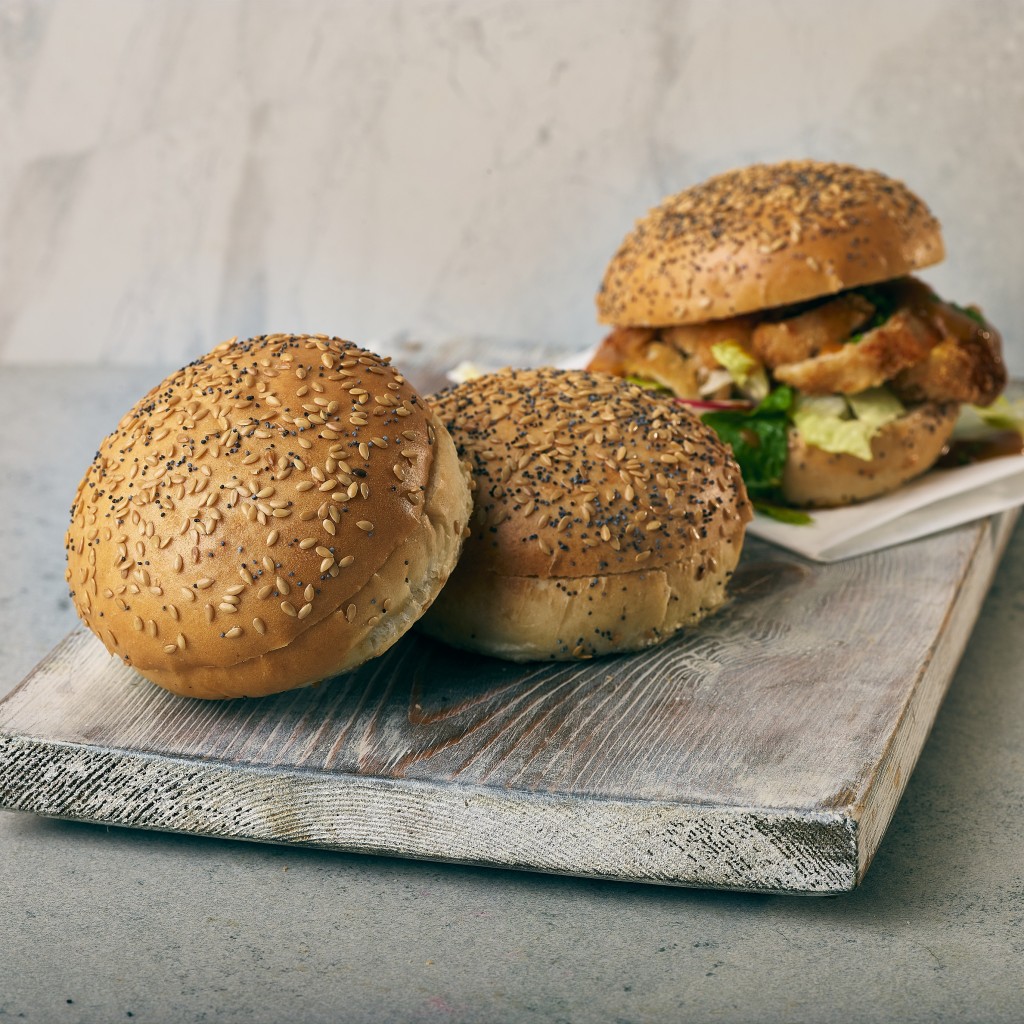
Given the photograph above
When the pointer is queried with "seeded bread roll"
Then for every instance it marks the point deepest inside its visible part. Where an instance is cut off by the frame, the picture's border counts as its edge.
(277, 512)
(763, 236)
(900, 451)
(605, 518)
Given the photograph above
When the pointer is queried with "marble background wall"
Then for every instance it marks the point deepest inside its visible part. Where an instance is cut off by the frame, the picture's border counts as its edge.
(174, 172)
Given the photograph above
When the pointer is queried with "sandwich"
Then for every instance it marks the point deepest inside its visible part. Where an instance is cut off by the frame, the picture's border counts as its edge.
(605, 518)
(779, 302)
(277, 512)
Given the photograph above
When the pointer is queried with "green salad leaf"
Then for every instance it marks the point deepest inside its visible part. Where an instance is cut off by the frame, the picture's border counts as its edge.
(885, 304)
(784, 514)
(745, 369)
(758, 438)
(845, 424)
(647, 383)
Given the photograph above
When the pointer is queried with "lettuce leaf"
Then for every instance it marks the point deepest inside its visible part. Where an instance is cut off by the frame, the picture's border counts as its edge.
(784, 514)
(744, 368)
(845, 424)
(647, 383)
(758, 438)
(1002, 414)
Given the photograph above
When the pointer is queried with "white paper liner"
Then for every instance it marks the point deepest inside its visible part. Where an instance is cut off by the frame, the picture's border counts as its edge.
(938, 500)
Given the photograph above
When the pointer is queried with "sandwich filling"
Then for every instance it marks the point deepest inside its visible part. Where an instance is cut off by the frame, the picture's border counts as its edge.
(835, 369)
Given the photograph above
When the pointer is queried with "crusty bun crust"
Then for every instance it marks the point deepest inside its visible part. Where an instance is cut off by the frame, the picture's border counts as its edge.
(901, 450)
(277, 512)
(765, 236)
(605, 517)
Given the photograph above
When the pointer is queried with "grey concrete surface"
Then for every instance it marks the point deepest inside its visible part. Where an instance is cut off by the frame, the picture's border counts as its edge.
(102, 924)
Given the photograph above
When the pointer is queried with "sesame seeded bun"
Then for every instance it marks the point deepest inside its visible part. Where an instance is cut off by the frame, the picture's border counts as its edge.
(605, 518)
(900, 451)
(277, 512)
(764, 236)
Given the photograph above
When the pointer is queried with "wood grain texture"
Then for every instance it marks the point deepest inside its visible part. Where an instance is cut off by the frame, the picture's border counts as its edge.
(765, 750)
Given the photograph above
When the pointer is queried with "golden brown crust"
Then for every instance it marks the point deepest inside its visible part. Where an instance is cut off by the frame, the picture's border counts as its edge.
(764, 236)
(966, 365)
(901, 450)
(580, 479)
(903, 340)
(678, 358)
(250, 498)
(822, 329)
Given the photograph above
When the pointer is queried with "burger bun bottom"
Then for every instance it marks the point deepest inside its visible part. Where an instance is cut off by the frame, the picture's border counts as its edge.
(901, 450)
(529, 618)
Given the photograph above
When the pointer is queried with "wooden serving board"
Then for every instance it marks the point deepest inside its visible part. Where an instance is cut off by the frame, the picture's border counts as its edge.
(765, 750)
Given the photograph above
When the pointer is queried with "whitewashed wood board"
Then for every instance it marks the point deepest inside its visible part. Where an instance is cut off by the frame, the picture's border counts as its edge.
(766, 750)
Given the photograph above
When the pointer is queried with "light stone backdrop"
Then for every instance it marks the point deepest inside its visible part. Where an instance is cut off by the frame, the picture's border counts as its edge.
(173, 172)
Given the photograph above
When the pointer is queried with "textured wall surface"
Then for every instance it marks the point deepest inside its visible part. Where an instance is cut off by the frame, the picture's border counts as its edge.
(176, 172)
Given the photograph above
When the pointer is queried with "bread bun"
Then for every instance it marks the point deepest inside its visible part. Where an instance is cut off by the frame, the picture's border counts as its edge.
(901, 450)
(765, 236)
(278, 511)
(606, 517)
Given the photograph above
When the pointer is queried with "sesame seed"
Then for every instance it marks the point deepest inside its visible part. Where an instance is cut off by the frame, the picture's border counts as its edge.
(259, 625)
(289, 609)
(233, 633)
(305, 610)
(365, 525)
(283, 587)
(326, 564)
(204, 583)
(346, 561)
(309, 593)
(350, 612)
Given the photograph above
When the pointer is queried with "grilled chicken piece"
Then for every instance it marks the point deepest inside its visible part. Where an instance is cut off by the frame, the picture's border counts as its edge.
(812, 333)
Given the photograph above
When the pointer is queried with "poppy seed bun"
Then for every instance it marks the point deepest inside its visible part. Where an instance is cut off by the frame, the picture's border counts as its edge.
(764, 236)
(276, 512)
(900, 451)
(605, 518)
